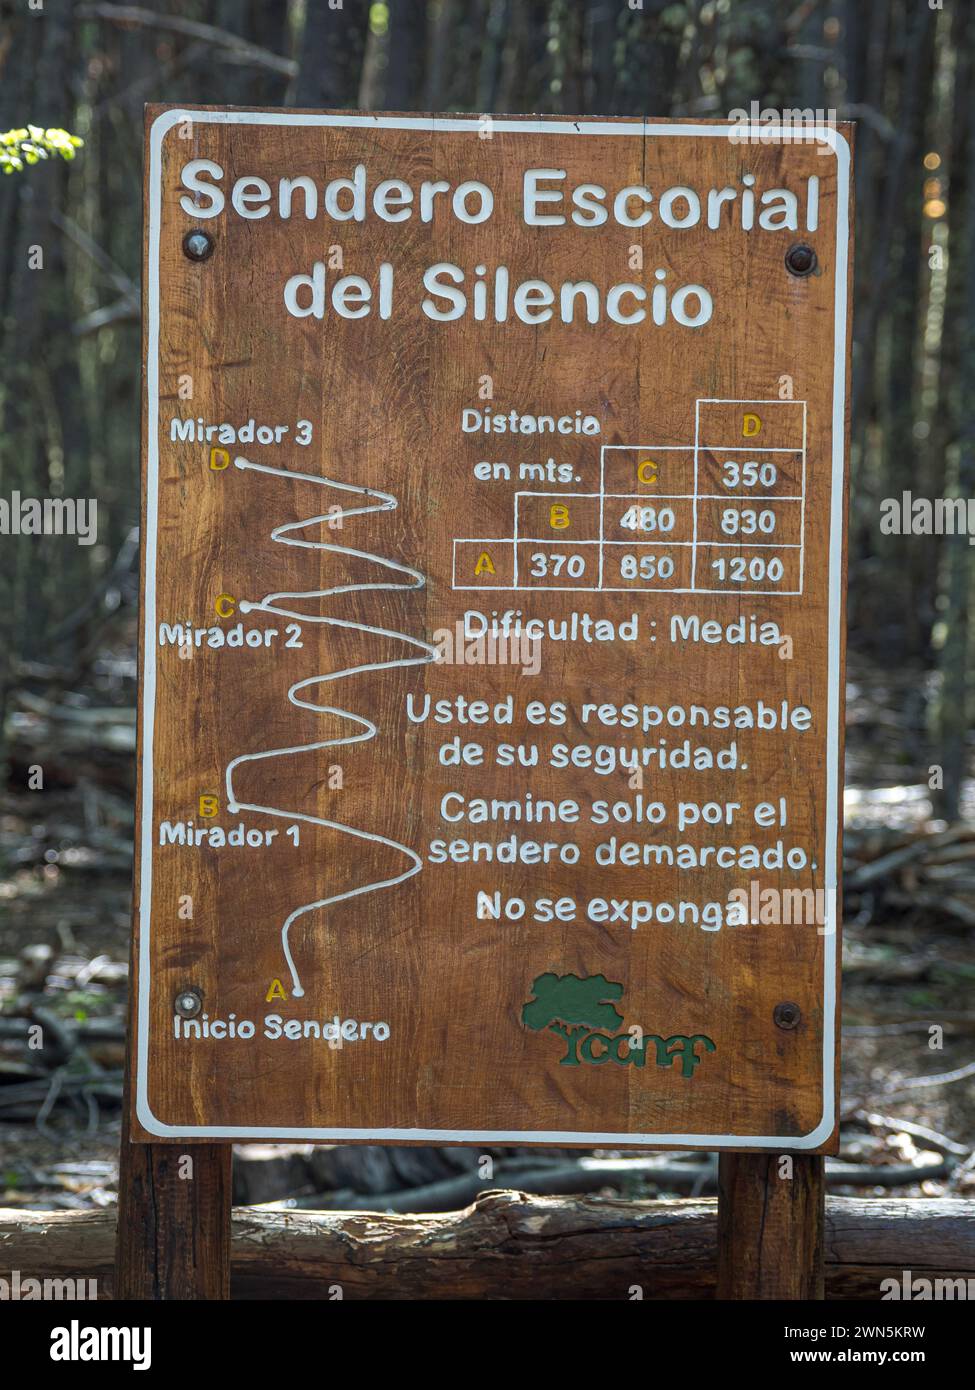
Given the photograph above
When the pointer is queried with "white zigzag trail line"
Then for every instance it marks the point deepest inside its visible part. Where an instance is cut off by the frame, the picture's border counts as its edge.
(379, 502)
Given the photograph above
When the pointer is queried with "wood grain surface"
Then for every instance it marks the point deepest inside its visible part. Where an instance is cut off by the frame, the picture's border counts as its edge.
(509, 1245)
(771, 1214)
(361, 766)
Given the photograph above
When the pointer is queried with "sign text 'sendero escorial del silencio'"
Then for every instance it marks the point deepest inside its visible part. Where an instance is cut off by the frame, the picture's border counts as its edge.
(494, 500)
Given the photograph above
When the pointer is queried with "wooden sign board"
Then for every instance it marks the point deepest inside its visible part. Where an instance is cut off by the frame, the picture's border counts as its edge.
(492, 632)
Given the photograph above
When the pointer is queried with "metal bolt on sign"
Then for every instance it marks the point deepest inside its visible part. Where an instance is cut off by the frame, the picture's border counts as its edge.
(197, 245)
(801, 260)
(786, 1015)
(188, 1003)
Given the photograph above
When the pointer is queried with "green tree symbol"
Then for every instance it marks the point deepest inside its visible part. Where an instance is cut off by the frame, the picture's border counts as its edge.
(570, 1005)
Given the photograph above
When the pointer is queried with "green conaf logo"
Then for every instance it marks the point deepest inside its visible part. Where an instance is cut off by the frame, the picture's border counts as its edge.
(582, 1011)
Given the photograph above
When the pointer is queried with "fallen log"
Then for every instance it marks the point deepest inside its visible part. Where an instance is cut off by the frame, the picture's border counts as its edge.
(511, 1246)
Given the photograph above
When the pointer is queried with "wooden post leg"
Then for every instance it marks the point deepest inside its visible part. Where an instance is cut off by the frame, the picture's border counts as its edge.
(770, 1226)
(173, 1238)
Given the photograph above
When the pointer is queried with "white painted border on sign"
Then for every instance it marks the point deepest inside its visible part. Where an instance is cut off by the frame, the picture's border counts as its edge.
(824, 135)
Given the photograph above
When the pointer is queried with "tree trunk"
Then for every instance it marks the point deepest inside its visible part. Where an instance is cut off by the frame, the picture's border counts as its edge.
(405, 52)
(330, 59)
(509, 1246)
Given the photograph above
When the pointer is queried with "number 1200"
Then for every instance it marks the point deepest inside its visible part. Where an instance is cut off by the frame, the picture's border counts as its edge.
(741, 571)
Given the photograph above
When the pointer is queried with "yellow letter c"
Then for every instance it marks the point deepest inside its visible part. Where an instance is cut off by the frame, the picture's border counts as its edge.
(647, 471)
